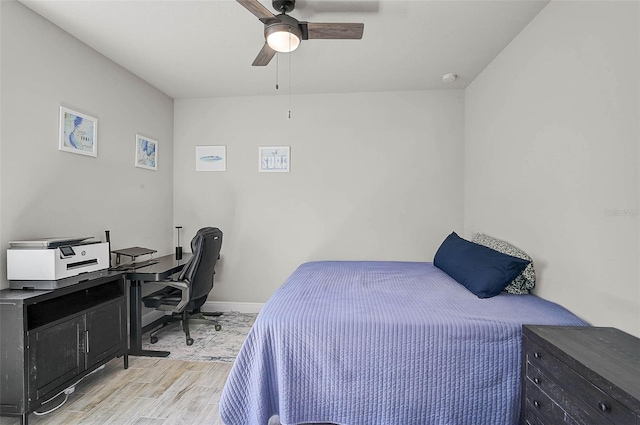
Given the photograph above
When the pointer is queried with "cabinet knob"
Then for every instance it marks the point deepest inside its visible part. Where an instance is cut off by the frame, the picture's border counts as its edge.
(603, 406)
(537, 381)
(537, 355)
(536, 403)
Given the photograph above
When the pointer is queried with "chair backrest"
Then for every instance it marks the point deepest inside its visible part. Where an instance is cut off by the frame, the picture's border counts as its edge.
(199, 271)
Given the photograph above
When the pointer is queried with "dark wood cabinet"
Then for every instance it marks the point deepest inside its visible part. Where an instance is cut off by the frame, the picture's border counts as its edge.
(54, 357)
(580, 376)
(105, 332)
(49, 340)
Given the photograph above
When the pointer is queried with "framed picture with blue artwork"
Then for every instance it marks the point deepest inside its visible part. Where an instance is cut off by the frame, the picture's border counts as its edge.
(146, 153)
(274, 159)
(78, 133)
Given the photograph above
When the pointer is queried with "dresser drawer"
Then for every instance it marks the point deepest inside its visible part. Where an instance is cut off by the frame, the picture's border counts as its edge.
(531, 418)
(540, 408)
(583, 400)
(574, 407)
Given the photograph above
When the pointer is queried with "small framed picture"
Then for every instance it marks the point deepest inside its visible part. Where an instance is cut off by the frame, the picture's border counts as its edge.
(78, 133)
(274, 159)
(146, 153)
(211, 158)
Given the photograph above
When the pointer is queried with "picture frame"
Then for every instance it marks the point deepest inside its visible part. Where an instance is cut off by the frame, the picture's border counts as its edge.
(146, 153)
(211, 158)
(274, 159)
(78, 133)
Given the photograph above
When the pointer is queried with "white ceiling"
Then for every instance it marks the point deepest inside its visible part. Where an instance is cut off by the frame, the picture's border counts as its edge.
(189, 48)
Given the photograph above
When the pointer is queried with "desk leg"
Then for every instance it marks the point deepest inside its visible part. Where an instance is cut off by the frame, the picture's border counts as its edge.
(135, 324)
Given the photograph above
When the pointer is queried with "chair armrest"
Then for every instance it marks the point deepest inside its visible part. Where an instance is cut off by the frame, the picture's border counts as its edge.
(183, 286)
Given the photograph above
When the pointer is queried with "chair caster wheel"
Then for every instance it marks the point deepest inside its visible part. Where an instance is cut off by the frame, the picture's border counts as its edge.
(154, 339)
(218, 327)
(189, 341)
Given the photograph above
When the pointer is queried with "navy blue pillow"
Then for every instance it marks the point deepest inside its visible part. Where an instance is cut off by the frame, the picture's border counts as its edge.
(482, 270)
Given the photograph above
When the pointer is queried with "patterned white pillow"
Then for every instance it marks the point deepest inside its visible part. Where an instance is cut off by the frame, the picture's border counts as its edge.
(525, 282)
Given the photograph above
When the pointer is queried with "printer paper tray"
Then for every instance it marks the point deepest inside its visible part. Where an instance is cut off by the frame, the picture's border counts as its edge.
(47, 285)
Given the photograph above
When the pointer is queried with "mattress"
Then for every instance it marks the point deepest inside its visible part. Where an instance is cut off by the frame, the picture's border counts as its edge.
(358, 342)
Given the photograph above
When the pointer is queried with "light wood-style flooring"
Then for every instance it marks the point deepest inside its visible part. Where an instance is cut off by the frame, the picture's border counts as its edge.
(153, 391)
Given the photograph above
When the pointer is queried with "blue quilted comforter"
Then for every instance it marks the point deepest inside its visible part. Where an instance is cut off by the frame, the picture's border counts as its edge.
(375, 343)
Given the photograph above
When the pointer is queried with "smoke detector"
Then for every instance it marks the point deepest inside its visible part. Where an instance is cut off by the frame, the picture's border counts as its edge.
(450, 77)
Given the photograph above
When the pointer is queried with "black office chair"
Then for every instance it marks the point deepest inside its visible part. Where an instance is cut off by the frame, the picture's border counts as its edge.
(184, 296)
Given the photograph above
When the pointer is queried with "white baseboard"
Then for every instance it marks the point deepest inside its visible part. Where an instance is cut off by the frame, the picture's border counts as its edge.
(150, 316)
(213, 306)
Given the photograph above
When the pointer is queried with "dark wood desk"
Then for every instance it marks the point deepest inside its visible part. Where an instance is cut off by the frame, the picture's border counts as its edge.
(164, 267)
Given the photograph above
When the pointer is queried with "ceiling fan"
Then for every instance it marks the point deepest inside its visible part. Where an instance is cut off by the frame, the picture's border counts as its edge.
(284, 33)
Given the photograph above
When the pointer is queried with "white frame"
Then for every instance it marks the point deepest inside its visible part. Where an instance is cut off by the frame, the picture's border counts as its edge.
(218, 155)
(91, 127)
(139, 161)
(266, 151)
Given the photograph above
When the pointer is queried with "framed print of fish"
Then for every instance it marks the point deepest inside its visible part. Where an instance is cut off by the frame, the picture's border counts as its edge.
(211, 158)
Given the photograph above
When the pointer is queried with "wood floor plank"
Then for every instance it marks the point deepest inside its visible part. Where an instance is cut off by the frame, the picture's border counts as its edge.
(188, 410)
(152, 391)
(149, 421)
(128, 413)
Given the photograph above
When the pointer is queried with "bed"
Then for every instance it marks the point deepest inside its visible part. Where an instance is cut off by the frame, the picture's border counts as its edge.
(362, 342)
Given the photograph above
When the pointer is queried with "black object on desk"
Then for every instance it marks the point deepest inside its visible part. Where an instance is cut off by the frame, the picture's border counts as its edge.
(178, 246)
(163, 267)
(133, 266)
(133, 252)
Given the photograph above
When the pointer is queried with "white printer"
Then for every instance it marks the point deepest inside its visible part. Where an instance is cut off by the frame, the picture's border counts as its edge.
(52, 263)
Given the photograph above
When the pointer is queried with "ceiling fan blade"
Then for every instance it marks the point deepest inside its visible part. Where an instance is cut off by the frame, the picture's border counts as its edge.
(334, 31)
(255, 7)
(265, 56)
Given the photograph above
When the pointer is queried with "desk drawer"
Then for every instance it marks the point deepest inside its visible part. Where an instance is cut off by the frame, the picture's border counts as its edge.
(585, 401)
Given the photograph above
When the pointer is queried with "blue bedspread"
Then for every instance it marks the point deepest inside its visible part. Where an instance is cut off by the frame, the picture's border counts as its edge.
(375, 343)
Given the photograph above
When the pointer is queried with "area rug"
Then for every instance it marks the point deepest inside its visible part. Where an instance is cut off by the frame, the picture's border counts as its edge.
(209, 345)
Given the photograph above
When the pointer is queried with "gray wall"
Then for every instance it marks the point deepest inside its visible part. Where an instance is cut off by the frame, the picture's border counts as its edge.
(542, 150)
(46, 192)
(373, 176)
(551, 164)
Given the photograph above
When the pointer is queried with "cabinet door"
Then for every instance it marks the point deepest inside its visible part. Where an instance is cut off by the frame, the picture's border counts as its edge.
(55, 356)
(106, 331)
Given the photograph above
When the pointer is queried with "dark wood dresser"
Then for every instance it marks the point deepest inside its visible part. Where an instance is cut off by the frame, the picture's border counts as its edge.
(580, 375)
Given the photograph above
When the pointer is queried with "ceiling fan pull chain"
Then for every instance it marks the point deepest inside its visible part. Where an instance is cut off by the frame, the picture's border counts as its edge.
(290, 56)
(277, 63)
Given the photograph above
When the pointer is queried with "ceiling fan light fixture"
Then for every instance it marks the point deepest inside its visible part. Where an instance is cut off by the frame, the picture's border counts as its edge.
(282, 37)
(283, 33)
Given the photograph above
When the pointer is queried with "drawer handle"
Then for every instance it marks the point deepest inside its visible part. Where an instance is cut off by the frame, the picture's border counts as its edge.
(537, 355)
(537, 381)
(603, 406)
(536, 403)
